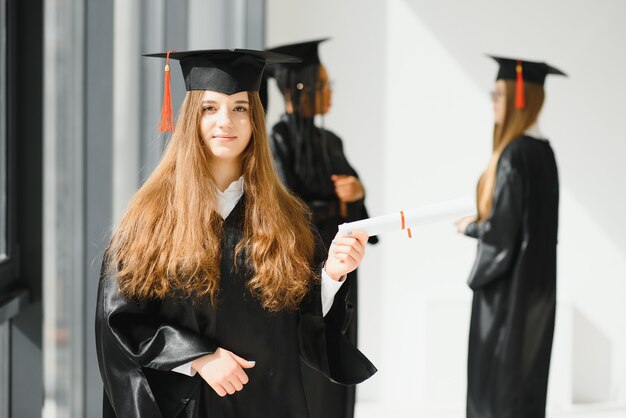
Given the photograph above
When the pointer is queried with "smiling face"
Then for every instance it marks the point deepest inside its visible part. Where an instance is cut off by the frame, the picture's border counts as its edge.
(225, 124)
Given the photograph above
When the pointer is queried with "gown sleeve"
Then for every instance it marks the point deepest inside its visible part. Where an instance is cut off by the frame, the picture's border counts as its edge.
(283, 155)
(499, 234)
(357, 209)
(323, 343)
(472, 230)
(136, 344)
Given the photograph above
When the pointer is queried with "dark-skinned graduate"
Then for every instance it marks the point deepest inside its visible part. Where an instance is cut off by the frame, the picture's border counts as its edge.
(312, 163)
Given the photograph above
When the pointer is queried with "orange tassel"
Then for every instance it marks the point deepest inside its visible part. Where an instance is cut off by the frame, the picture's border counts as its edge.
(167, 113)
(520, 98)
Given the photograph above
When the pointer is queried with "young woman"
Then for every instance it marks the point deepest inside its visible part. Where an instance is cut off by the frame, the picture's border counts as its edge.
(214, 283)
(514, 275)
(311, 162)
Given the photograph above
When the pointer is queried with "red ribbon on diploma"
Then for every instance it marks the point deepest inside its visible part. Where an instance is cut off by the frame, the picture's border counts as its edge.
(404, 224)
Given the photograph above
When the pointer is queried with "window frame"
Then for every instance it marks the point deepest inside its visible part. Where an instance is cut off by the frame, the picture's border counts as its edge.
(9, 265)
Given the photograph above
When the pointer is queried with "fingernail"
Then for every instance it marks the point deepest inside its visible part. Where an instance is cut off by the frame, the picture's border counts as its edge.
(348, 232)
(334, 241)
(252, 363)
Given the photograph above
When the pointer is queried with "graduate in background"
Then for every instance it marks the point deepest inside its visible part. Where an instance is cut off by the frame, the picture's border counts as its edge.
(514, 275)
(311, 162)
(215, 284)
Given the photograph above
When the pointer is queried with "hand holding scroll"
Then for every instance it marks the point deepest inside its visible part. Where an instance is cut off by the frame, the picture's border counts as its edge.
(345, 253)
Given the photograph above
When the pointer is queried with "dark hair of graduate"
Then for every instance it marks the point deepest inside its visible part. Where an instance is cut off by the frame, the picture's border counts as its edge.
(169, 238)
(516, 121)
(300, 86)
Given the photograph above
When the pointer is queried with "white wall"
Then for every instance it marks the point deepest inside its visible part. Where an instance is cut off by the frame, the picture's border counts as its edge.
(411, 104)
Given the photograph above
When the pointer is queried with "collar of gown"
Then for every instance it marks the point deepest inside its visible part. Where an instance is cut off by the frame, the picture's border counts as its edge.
(227, 199)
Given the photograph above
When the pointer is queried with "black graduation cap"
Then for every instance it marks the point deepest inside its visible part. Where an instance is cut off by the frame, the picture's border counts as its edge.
(520, 71)
(227, 71)
(306, 51)
(300, 73)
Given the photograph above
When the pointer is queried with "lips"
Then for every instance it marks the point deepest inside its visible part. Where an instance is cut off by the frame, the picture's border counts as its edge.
(224, 137)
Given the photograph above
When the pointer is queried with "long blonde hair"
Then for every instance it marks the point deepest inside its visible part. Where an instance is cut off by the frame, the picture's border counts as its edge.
(516, 121)
(169, 239)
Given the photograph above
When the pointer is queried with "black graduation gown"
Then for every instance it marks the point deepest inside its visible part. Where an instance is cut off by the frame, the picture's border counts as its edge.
(514, 284)
(140, 342)
(326, 400)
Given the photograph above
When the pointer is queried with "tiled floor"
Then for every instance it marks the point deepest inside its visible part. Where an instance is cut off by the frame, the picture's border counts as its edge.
(373, 410)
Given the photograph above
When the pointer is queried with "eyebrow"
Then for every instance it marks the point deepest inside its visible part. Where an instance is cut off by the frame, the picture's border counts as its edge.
(213, 101)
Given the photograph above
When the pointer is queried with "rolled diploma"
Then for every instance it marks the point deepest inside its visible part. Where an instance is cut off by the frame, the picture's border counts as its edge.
(441, 211)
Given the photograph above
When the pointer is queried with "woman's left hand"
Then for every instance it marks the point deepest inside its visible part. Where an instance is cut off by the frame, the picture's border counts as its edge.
(345, 254)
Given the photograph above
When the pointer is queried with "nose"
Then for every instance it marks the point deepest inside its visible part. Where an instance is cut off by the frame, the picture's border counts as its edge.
(224, 119)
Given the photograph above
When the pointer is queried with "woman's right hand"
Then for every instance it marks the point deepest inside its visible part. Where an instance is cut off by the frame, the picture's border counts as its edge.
(223, 371)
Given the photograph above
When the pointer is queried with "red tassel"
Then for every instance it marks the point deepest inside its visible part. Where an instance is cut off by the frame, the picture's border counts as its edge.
(520, 98)
(167, 113)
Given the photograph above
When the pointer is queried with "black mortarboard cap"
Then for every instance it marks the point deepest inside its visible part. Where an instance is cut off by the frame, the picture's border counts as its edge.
(521, 71)
(227, 71)
(534, 72)
(310, 60)
(306, 51)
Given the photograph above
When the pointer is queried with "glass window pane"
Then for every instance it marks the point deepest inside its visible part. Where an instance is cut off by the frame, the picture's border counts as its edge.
(4, 369)
(4, 326)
